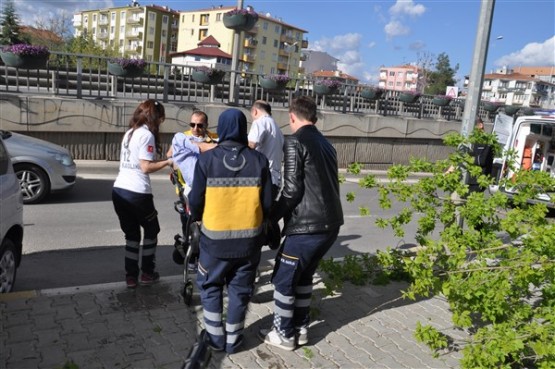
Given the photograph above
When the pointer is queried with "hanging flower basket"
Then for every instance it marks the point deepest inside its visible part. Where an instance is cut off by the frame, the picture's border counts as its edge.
(240, 19)
(326, 86)
(209, 76)
(25, 56)
(371, 93)
(441, 100)
(274, 82)
(511, 109)
(128, 68)
(408, 97)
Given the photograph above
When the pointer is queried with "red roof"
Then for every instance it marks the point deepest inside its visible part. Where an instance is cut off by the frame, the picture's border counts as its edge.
(333, 74)
(208, 47)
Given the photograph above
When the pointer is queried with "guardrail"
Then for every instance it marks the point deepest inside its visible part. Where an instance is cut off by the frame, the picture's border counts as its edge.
(87, 77)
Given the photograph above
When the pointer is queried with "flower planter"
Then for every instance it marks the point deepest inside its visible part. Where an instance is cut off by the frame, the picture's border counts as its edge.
(202, 77)
(323, 90)
(408, 98)
(491, 107)
(270, 84)
(127, 72)
(371, 94)
(240, 22)
(24, 61)
(440, 101)
(511, 109)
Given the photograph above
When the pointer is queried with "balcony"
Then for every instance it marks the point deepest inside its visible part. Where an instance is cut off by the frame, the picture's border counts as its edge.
(304, 44)
(289, 39)
(134, 50)
(103, 22)
(248, 58)
(282, 66)
(102, 35)
(134, 34)
(135, 20)
(283, 52)
(250, 43)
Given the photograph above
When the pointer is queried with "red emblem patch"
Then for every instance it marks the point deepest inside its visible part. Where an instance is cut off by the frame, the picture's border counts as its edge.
(150, 148)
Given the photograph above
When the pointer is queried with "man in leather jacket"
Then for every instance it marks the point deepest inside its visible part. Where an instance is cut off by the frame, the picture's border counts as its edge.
(310, 206)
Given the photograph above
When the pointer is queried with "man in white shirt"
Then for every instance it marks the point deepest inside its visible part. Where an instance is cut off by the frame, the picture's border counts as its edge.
(265, 136)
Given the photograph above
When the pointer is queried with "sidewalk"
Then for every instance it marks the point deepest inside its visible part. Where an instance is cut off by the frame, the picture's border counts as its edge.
(108, 326)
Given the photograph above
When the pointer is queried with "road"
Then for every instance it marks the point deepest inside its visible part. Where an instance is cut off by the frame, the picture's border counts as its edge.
(74, 239)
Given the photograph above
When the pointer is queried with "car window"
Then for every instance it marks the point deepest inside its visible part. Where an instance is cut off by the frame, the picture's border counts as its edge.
(4, 159)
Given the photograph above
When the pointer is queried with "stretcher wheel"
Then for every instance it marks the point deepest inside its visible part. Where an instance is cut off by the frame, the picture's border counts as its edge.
(187, 293)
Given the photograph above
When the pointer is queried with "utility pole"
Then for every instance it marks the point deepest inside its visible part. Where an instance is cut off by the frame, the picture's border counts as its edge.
(234, 61)
(481, 44)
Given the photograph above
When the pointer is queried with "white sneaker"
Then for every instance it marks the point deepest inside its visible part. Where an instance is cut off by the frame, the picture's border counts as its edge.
(302, 336)
(272, 337)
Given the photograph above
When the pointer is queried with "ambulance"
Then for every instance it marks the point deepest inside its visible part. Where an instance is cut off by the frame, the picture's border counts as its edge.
(532, 138)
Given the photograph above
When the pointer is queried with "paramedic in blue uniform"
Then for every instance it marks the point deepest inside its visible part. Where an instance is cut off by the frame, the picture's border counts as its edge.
(231, 194)
(310, 206)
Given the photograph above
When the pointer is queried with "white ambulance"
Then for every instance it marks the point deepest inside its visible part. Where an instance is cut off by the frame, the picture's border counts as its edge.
(532, 138)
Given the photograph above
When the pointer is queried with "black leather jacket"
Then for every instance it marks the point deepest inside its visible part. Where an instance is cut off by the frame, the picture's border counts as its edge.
(310, 200)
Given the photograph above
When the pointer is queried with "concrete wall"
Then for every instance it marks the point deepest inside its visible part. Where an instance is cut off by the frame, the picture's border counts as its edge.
(92, 129)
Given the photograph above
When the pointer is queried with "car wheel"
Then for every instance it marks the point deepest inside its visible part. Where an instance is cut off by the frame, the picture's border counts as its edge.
(8, 267)
(34, 183)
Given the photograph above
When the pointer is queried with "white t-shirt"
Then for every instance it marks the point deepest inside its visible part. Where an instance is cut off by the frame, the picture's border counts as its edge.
(141, 146)
(269, 141)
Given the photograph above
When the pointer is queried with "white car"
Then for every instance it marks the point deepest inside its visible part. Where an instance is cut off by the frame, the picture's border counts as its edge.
(11, 222)
(42, 167)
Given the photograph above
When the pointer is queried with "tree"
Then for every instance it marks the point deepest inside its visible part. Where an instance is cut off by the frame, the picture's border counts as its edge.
(60, 25)
(425, 63)
(10, 26)
(442, 76)
(497, 272)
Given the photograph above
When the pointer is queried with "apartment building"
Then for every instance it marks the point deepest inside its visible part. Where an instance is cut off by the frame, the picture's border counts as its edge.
(148, 32)
(510, 88)
(400, 78)
(313, 61)
(271, 47)
(545, 73)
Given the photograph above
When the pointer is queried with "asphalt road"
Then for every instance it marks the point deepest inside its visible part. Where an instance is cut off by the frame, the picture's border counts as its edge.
(74, 239)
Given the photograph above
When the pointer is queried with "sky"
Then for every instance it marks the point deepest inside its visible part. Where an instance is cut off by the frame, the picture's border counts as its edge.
(366, 35)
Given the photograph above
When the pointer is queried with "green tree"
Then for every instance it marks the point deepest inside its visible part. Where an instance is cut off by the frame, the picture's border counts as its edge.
(442, 76)
(10, 26)
(497, 272)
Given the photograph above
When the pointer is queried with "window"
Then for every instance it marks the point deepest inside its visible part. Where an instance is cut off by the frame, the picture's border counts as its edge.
(277, 29)
(202, 33)
(192, 32)
(398, 84)
(94, 17)
(150, 30)
(86, 19)
(183, 19)
(121, 30)
(265, 25)
(218, 17)
(165, 19)
(151, 16)
(93, 30)
(193, 18)
(274, 57)
(120, 43)
(112, 30)
(113, 17)
(276, 44)
(164, 33)
(150, 45)
(262, 54)
(400, 74)
(261, 69)
(122, 15)
(264, 40)
(392, 74)
(204, 18)
(390, 84)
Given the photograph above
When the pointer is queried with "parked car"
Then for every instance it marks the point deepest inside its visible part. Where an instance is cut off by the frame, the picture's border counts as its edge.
(11, 222)
(41, 166)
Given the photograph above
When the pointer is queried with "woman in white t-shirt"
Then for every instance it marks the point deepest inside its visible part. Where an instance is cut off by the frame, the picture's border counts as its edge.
(132, 192)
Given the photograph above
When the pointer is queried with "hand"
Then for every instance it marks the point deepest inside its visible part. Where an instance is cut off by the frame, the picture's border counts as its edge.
(169, 154)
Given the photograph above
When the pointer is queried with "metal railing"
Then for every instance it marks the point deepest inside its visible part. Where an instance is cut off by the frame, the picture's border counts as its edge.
(86, 76)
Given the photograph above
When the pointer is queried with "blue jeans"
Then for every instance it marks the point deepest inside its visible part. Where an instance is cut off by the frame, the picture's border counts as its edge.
(296, 263)
(136, 210)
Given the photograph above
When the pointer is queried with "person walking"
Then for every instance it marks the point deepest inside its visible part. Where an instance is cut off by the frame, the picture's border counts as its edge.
(132, 191)
(310, 206)
(266, 137)
(231, 194)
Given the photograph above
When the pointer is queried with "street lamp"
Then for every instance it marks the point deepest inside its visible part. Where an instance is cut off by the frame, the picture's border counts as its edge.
(289, 47)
